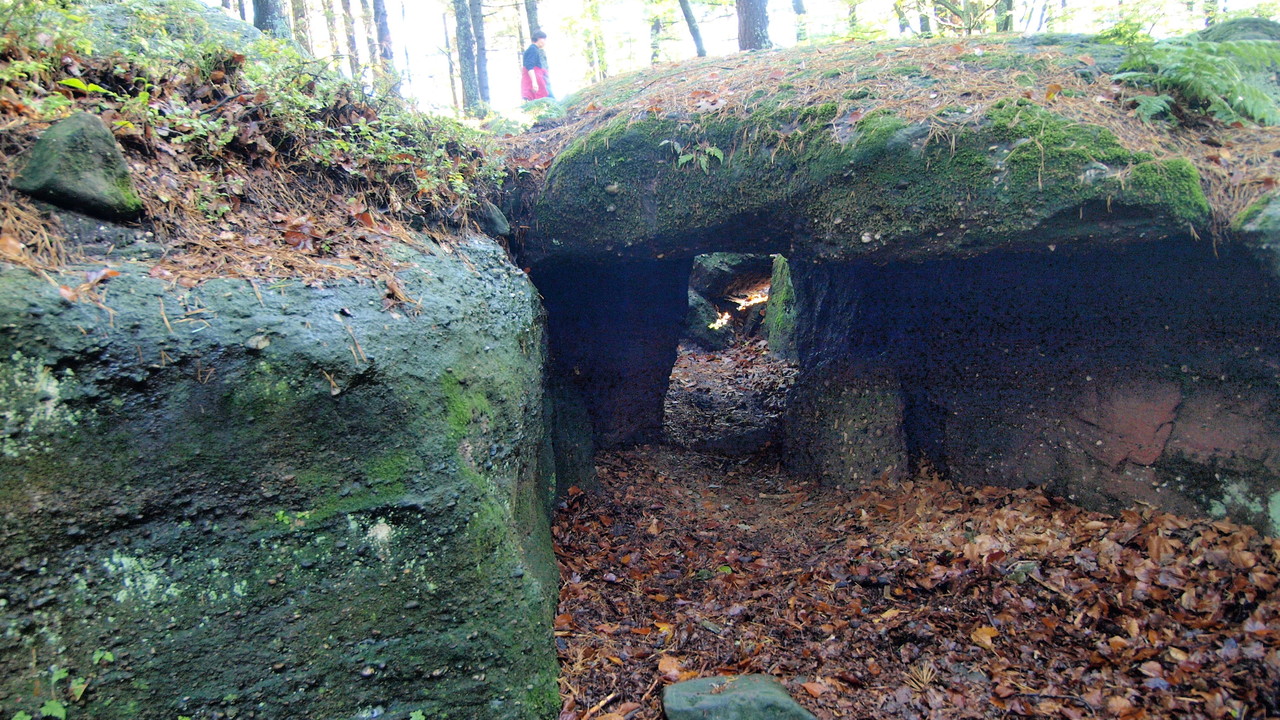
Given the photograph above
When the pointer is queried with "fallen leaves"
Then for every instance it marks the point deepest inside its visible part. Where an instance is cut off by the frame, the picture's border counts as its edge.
(915, 600)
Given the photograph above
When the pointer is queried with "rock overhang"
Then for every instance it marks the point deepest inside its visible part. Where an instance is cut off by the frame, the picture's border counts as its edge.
(829, 177)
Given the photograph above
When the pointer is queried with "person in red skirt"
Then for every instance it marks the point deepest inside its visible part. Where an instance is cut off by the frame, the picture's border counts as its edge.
(534, 82)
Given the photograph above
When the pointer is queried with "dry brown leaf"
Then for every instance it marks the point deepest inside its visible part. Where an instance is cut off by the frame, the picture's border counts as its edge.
(983, 637)
(815, 689)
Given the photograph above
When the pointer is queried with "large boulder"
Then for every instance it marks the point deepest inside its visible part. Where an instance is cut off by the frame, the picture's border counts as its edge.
(77, 166)
(277, 501)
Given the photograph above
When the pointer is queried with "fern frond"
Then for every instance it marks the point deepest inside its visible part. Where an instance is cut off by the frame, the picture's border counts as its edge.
(1151, 106)
(1208, 75)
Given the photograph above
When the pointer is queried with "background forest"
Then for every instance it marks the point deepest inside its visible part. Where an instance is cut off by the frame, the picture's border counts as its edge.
(433, 46)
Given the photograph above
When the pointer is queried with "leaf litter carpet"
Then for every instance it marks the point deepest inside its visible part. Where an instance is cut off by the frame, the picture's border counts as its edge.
(916, 599)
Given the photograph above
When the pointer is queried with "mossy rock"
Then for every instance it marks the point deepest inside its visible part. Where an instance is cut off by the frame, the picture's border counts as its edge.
(811, 182)
(77, 166)
(1242, 28)
(163, 28)
(780, 313)
(283, 500)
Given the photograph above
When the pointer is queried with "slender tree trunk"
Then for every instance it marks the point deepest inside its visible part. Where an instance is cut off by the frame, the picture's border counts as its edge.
(466, 58)
(244, 12)
(482, 48)
(302, 25)
(594, 37)
(753, 24)
(853, 15)
(904, 25)
(453, 70)
(331, 23)
(370, 36)
(269, 17)
(531, 10)
(1004, 16)
(692, 21)
(655, 40)
(226, 4)
(353, 47)
(385, 49)
(802, 29)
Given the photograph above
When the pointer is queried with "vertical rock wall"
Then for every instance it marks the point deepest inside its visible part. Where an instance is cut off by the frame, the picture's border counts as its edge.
(277, 502)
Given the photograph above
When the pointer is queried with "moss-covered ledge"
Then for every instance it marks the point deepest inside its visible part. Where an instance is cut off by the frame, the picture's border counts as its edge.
(846, 186)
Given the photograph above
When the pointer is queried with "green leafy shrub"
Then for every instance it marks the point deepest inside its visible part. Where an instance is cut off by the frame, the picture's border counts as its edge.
(1209, 76)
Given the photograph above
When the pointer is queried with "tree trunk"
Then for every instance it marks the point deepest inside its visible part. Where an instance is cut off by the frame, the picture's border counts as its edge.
(331, 23)
(802, 30)
(692, 22)
(244, 12)
(753, 24)
(466, 58)
(531, 10)
(226, 4)
(1004, 16)
(302, 25)
(269, 17)
(385, 48)
(353, 47)
(904, 25)
(596, 58)
(655, 40)
(370, 36)
(482, 48)
(453, 70)
(853, 15)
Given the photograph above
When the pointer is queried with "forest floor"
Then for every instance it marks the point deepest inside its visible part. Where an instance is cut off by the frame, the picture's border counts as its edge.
(919, 599)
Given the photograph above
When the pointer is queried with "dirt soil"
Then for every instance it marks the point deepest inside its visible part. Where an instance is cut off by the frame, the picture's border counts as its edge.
(908, 600)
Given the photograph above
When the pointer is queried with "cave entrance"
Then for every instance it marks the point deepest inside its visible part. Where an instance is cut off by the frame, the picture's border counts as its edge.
(728, 387)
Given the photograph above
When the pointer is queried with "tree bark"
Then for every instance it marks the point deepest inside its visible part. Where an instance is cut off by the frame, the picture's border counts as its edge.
(853, 15)
(1004, 16)
(655, 40)
(244, 12)
(302, 25)
(385, 47)
(531, 10)
(904, 25)
(692, 21)
(596, 58)
(453, 70)
(482, 49)
(226, 4)
(331, 22)
(353, 47)
(370, 36)
(466, 43)
(753, 24)
(269, 17)
(802, 30)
